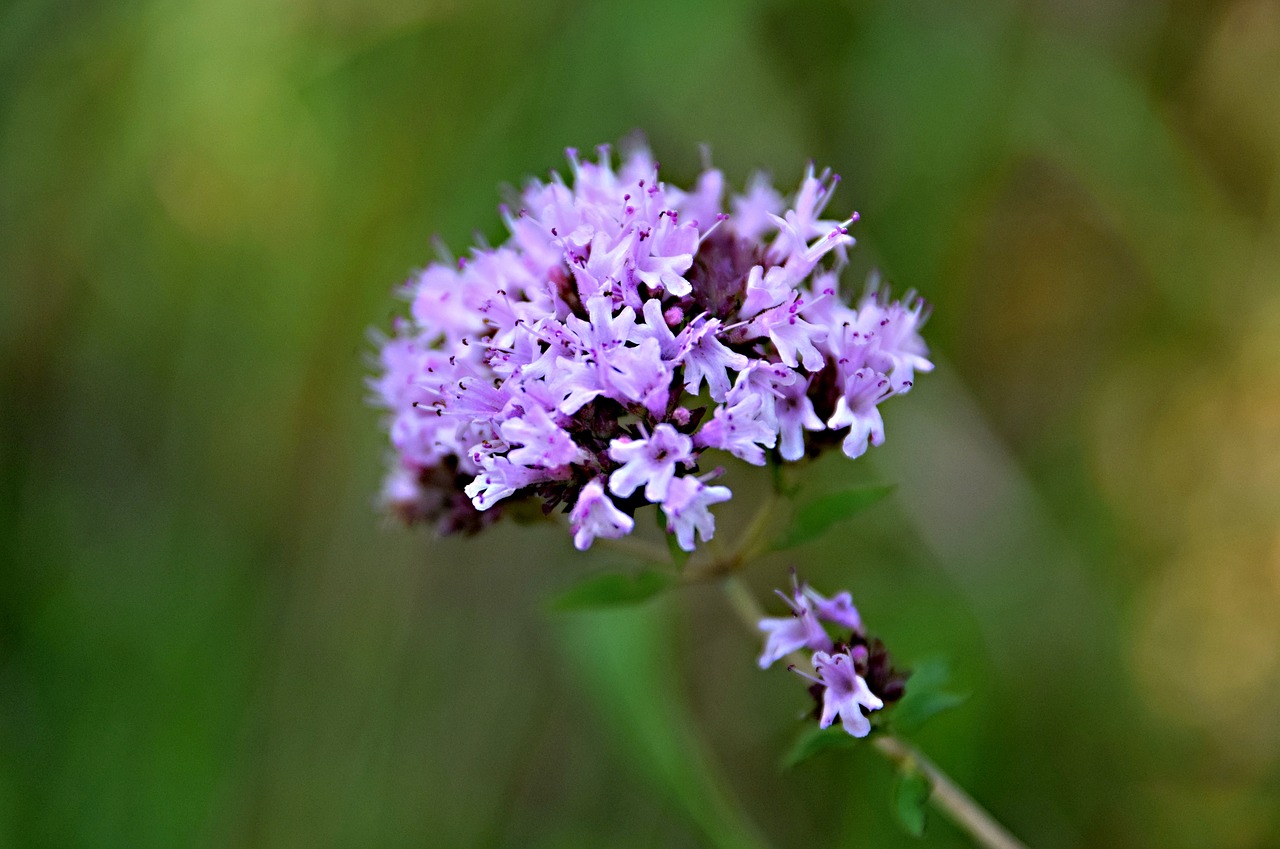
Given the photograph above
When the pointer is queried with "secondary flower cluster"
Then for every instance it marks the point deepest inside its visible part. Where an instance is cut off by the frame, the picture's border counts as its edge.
(854, 676)
(624, 328)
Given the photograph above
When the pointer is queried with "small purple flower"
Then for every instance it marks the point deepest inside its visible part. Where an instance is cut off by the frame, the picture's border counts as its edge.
(801, 223)
(704, 202)
(766, 289)
(846, 693)
(854, 674)
(794, 337)
(656, 327)
(896, 327)
(741, 430)
(707, 357)
(754, 211)
(838, 609)
(671, 249)
(637, 373)
(594, 515)
(605, 331)
(794, 413)
(499, 478)
(596, 271)
(764, 381)
(686, 509)
(543, 442)
(650, 461)
(858, 409)
(800, 630)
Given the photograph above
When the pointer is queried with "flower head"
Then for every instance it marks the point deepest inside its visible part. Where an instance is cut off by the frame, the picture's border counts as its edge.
(624, 328)
(854, 676)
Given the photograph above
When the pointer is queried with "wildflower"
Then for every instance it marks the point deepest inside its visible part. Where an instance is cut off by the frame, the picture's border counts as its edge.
(793, 337)
(845, 693)
(594, 515)
(623, 328)
(670, 255)
(800, 630)
(740, 430)
(794, 414)
(542, 442)
(650, 461)
(858, 409)
(853, 677)
(500, 477)
(707, 357)
(686, 509)
(838, 609)
(753, 211)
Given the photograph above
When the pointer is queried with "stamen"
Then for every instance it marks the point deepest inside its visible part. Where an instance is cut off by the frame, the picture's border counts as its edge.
(720, 219)
(793, 668)
(790, 602)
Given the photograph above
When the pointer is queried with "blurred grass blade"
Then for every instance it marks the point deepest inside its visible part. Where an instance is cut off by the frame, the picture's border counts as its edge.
(910, 801)
(613, 589)
(815, 518)
(624, 662)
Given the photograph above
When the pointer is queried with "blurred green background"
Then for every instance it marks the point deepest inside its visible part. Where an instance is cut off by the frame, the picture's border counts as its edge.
(208, 637)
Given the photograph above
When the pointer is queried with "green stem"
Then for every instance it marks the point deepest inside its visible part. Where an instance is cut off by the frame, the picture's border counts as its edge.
(701, 569)
(637, 548)
(751, 547)
(947, 796)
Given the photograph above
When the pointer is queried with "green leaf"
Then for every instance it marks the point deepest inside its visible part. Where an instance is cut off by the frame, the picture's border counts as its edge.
(814, 741)
(816, 517)
(613, 589)
(910, 799)
(927, 695)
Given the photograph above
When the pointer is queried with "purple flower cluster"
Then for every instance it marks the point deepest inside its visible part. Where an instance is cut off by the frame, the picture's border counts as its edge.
(623, 329)
(853, 675)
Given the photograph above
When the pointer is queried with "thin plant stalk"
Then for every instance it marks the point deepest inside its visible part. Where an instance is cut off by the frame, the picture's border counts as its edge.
(947, 796)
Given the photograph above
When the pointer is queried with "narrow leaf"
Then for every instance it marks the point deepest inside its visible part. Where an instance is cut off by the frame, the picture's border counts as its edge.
(816, 517)
(910, 799)
(613, 589)
(814, 741)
